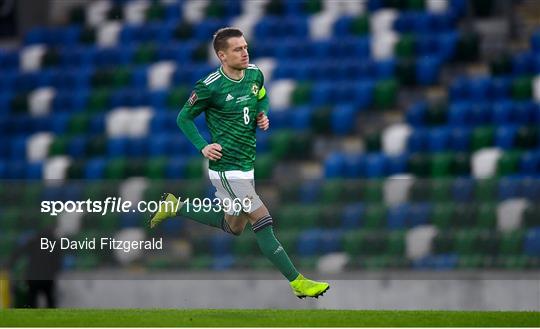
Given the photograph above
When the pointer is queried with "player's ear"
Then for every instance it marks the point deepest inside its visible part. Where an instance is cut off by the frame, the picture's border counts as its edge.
(221, 55)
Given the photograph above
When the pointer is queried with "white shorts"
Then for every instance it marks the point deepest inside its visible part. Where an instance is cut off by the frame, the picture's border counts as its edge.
(238, 187)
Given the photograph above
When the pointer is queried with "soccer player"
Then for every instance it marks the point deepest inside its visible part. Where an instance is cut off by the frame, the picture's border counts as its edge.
(235, 103)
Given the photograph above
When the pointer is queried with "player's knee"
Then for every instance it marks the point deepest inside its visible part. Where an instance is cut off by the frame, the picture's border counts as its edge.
(237, 229)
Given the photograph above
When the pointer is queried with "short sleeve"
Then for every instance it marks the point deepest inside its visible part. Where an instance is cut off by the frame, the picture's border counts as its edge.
(198, 100)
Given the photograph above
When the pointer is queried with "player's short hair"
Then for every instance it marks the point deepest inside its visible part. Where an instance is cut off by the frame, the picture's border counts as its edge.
(223, 35)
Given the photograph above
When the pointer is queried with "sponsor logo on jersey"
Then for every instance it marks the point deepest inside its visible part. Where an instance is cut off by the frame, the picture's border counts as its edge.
(243, 98)
(193, 98)
(229, 97)
(255, 89)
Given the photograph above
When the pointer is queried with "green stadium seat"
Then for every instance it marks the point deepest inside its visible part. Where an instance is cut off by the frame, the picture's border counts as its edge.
(51, 58)
(420, 190)
(487, 216)
(78, 123)
(155, 190)
(321, 121)
(76, 169)
(531, 216)
(416, 4)
(308, 263)
(88, 35)
(501, 65)
(136, 167)
(264, 166)
(116, 168)
(441, 190)
(183, 31)
(351, 243)
(441, 165)
(443, 243)
(360, 25)
(19, 103)
(527, 137)
(461, 164)
(405, 47)
(288, 239)
(465, 242)
(146, 53)
(372, 142)
(352, 190)
(375, 214)
(522, 88)
(470, 262)
(194, 168)
(301, 94)
(201, 53)
(437, 113)
(58, 146)
(155, 12)
(396, 243)
(200, 262)
(302, 145)
(420, 164)
(511, 243)
(313, 6)
(296, 217)
(281, 143)
(98, 100)
(385, 94)
(482, 137)
(508, 163)
(177, 97)
(155, 168)
(331, 191)
(518, 262)
(77, 15)
(406, 71)
(468, 47)
(442, 215)
(373, 190)
(485, 190)
(215, 9)
(465, 215)
(329, 216)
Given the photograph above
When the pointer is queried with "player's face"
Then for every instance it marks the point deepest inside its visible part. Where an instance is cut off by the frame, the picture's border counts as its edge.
(236, 55)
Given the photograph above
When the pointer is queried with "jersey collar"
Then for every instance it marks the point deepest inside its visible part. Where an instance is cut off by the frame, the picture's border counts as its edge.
(225, 75)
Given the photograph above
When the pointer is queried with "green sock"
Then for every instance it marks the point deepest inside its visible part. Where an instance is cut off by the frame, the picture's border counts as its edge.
(272, 249)
(211, 218)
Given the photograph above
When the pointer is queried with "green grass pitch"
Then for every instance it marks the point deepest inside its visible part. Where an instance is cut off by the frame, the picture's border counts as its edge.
(262, 318)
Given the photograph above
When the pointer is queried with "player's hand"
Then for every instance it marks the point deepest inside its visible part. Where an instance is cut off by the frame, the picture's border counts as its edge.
(212, 151)
(262, 121)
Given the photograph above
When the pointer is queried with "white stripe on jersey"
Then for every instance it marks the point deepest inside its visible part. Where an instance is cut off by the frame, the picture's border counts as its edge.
(211, 76)
(212, 80)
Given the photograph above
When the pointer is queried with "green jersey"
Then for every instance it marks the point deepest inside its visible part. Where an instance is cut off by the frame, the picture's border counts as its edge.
(231, 107)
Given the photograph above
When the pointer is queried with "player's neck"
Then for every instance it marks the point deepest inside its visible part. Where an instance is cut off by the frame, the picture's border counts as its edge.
(232, 73)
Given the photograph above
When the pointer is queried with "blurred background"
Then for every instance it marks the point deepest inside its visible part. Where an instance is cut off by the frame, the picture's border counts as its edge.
(402, 163)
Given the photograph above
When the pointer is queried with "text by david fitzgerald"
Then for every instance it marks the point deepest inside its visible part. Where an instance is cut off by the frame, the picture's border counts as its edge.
(102, 244)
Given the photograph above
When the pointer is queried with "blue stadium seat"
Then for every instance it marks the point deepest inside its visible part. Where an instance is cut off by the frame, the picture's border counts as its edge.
(523, 63)
(352, 216)
(437, 262)
(502, 112)
(416, 114)
(479, 114)
(530, 163)
(159, 144)
(418, 140)
(176, 167)
(309, 242)
(220, 244)
(130, 219)
(334, 165)
(9, 60)
(97, 123)
(138, 147)
(343, 120)
(300, 118)
(500, 88)
(223, 263)
(463, 190)
(397, 216)
(460, 139)
(34, 170)
(458, 113)
(427, 70)
(531, 189)
(459, 89)
(535, 41)
(342, 26)
(95, 168)
(16, 169)
(354, 165)
(438, 139)
(309, 191)
(504, 136)
(525, 112)
(446, 45)
(330, 241)
(419, 214)
(77, 147)
(384, 69)
(509, 188)
(363, 94)
(375, 165)
(78, 56)
(139, 77)
(479, 88)
(397, 164)
(117, 147)
(531, 245)
(18, 148)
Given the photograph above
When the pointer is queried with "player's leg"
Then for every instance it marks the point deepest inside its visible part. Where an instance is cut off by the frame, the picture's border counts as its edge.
(262, 225)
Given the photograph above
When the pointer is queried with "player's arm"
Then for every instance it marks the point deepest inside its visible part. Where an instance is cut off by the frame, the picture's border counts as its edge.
(197, 103)
(263, 105)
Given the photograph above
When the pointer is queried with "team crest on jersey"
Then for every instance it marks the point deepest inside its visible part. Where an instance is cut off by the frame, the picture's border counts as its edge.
(193, 98)
(255, 89)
